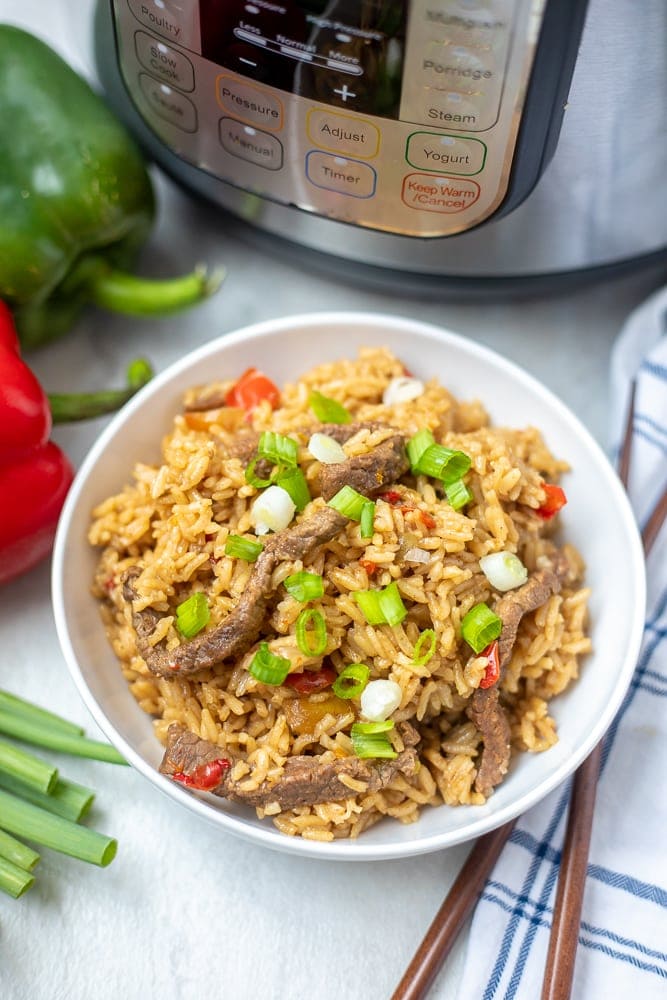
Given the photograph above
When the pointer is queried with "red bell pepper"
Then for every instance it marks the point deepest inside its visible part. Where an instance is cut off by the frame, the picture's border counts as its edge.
(492, 673)
(34, 473)
(251, 389)
(554, 500)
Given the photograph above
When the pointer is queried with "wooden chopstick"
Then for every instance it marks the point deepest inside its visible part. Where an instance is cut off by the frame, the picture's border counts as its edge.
(452, 915)
(564, 936)
(466, 890)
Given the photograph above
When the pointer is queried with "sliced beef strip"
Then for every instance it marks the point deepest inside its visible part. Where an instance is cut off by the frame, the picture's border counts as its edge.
(369, 473)
(246, 440)
(305, 780)
(243, 624)
(206, 398)
(485, 710)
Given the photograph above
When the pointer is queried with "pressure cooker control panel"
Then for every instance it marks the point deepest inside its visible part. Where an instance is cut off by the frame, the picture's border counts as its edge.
(394, 115)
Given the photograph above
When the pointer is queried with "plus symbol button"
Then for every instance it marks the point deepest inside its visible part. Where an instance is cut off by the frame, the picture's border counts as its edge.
(344, 92)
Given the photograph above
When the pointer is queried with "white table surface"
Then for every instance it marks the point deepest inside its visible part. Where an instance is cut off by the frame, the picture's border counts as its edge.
(186, 911)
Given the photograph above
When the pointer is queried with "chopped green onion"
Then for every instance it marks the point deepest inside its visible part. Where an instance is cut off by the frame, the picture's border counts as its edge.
(14, 880)
(268, 668)
(369, 740)
(314, 642)
(60, 834)
(18, 853)
(78, 746)
(443, 463)
(367, 520)
(418, 444)
(458, 494)
(304, 586)
(480, 627)
(373, 728)
(242, 548)
(349, 503)
(294, 482)
(420, 657)
(431, 459)
(254, 480)
(328, 411)
(26, 768)
(67, 799)
(351, 681)
(192, 615)
(381, 607)
(25, 709)
(369, 603)
(278, 449)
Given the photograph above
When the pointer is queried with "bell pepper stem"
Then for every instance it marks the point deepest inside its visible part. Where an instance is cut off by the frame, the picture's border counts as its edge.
(66, 408)
(135, 296)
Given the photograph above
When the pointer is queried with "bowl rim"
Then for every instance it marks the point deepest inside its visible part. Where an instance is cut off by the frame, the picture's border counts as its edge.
(346, 850)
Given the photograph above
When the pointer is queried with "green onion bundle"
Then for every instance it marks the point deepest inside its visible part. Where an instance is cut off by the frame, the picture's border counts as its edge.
(36, 803)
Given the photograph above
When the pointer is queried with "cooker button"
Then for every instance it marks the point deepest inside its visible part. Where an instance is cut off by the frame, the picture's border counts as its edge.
(450, 154)
(435, 193)
(336, 173)
(168, 103)
(453, 109)
(164, 62)
(252, 105)
(250, 144)
(177, 20)
(344, 134)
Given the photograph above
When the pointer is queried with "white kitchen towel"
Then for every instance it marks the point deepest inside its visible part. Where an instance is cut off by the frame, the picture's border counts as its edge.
(623, 939)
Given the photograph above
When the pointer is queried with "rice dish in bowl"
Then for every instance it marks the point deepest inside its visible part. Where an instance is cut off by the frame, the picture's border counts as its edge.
(243, 734)
(291, 745)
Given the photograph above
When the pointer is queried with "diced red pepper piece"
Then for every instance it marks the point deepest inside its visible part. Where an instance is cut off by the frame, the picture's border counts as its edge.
(205, 777)
(555, 499)
(253, 387)
(427, 520)
(310, 681)
(370, 566)
(492, 673)
(391, 496)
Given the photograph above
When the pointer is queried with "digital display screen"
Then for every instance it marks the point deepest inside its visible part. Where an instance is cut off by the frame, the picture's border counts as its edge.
(345, 53)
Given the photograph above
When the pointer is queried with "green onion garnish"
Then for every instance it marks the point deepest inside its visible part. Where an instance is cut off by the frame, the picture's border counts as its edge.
(278, 449)
(328, 411)
(304, 586)
(192, 615)
(430, 459)
(349, 503)
(18, 853)
(351, 681)
(369, 740)
(254, 480)
(42, 736)
(367, 520)
(417, 445)
(294, 482)
(14, 880)
(60, 834)
(242, 548)
(68, 799)
(268, 668)
(313, 642)
(381, 607)
(458, 494)
(24, 709)
(26, 768)
(421, 656)
(480, 627)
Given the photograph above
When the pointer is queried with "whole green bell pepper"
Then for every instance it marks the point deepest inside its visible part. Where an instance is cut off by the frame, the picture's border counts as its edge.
(76, 201)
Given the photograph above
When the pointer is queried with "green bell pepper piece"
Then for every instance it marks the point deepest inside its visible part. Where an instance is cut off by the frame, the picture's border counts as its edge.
(76, 201)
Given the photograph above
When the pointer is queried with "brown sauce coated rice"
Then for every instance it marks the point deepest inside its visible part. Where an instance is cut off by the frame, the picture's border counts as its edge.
(174, 520)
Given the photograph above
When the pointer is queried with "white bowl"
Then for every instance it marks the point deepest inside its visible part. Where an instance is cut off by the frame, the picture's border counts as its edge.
(598, 520)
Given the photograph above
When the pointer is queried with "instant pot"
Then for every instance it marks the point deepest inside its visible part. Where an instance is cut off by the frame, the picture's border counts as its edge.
(454, 144)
